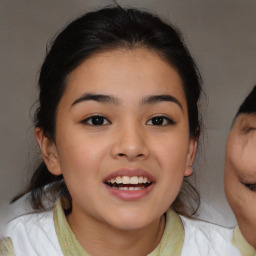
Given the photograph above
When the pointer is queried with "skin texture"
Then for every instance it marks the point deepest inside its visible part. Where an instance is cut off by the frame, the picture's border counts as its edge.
(86, 154)
(240, 174)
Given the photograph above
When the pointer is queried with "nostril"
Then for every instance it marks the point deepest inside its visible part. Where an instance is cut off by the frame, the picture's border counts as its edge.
(122, 154)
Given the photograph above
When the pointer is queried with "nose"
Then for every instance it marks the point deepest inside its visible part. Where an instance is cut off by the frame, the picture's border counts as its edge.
(131, 143)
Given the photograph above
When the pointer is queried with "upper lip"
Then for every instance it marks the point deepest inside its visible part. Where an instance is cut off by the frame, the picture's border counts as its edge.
(130, 172)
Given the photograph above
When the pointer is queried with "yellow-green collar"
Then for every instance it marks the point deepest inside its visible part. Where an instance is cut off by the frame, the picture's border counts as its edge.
(6, 247)
(170, 244)
(68, 242)
(241, 244)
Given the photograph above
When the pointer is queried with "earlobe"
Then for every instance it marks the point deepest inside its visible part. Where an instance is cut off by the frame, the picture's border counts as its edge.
(49, 152)
(190, 157)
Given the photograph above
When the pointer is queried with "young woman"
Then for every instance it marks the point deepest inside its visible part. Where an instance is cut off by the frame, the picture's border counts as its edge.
(240, 174)
(118, 126)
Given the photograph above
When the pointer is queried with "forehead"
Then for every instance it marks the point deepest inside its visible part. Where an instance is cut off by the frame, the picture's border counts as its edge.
(125, 71)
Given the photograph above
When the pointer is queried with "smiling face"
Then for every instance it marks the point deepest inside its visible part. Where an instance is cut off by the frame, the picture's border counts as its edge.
(122, 139)
(240, 174)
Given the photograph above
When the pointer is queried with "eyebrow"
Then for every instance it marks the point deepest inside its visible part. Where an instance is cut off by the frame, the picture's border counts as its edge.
(246, 120)
(102, 98)
(161, 98)
(96, 97)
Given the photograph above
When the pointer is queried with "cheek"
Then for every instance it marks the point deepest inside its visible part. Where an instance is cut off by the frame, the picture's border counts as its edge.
(171, 155)
(80, 154)
(242, 155)
(247, 160)
(232, 184)
(244, 207)
(80, 162)
(240, 198)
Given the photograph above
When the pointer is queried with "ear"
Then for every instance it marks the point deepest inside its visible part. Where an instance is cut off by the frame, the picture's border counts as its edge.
(49, 152)
(190, 156)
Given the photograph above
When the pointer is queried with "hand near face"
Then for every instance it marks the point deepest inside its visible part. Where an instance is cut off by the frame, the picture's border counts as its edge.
(240, 174)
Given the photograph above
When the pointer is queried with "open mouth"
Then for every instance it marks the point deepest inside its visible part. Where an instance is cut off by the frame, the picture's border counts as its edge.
(129, 183)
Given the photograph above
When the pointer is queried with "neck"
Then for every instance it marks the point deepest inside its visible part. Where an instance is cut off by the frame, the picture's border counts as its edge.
(98, 238)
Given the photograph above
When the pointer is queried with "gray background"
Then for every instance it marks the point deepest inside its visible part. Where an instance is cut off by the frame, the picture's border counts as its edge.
(220, 35)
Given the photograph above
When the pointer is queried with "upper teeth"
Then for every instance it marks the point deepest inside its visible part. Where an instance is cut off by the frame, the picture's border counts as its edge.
(129, 180)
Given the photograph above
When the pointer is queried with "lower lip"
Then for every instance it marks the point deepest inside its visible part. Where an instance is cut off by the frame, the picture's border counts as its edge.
(130, 195)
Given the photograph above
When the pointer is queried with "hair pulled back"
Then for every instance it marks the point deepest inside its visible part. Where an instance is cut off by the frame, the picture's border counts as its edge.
(108, 29)
(249, 104)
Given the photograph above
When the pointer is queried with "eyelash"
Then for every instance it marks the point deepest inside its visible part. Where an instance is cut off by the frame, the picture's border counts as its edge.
(162, 120)
(249, 129)
(89, 120)
(252, 187)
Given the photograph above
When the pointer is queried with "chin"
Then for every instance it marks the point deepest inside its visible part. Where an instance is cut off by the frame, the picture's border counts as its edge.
(132, 221)
(130, 225)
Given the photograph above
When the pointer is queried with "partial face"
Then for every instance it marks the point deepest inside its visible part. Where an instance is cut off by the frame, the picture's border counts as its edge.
(122, 138)
(240, 174)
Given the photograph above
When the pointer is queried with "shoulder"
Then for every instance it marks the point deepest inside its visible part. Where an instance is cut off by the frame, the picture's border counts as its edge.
(34, 234)
(204, 238)
(28, 224)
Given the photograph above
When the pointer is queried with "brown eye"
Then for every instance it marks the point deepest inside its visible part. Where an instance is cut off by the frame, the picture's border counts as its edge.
(160, 120)
(96, 120)
(252, 187)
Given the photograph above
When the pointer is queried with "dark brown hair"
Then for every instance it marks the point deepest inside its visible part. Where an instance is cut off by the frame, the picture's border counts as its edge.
(249, 104)
(102, 30)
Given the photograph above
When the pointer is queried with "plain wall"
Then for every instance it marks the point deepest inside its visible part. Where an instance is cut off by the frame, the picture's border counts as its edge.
(220, 35)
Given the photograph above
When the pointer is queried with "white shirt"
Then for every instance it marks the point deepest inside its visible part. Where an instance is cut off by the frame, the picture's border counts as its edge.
(34, 234)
